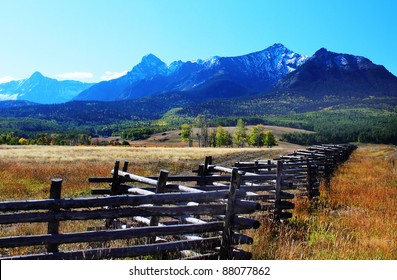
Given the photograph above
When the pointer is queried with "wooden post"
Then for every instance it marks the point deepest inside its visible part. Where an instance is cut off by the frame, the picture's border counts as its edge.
(309, 179)
(201, 173)
(115, 182)
(256, 163)
(277, 203)
(114, 190)
(161, 183)
(53, 227)
(125, 167)
(226, 251)
(207, 162)
(160, 188)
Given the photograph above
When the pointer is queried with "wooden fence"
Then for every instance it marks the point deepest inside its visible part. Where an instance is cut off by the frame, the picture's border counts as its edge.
(188, 217)
(215, 234)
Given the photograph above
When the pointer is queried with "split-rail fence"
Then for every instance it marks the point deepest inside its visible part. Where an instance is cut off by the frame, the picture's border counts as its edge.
(202, 216)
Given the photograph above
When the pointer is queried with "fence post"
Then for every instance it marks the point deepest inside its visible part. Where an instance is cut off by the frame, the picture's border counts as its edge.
(256, 164)
(207, 162)
(53, 226)
(309, 179)
(277, 203)
(114, 189)
(125, 166)
(115, 182)
(226, 251)
(154, 220)
(160, 188)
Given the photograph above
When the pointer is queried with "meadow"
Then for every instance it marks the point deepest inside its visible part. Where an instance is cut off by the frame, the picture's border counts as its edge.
(355, 219)
(26, 171)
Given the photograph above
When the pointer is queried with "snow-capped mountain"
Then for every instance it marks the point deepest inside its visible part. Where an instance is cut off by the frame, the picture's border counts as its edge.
(343, 75)
(255, 72)
(41, 89)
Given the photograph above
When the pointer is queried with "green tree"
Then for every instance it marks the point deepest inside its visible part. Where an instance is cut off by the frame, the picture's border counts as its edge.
(240, 134)
(202, 124)
(270, 140)
(42, 139)
(223, 137)
(187, 134)
(257, 136)
(212, 138)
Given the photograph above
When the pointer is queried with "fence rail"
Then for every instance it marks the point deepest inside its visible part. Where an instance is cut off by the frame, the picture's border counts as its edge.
(201, 214)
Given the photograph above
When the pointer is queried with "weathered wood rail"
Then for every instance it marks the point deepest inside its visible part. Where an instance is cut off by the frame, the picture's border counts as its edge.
(215, 236)
(195, 217)
(306, 168)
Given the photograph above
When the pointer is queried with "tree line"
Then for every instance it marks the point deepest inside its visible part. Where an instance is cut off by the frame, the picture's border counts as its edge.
(220, 137)
(348, 125)
(45, 139)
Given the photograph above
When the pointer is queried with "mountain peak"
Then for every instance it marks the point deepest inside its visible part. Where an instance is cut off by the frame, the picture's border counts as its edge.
(278, 46)
(151, 59)
(37, 75)
(40, 89)
(342, 61)
(328, 73)
(321, 51)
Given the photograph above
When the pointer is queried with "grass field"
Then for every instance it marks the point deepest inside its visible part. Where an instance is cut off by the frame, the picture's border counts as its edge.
(356, 219)
(26, 171)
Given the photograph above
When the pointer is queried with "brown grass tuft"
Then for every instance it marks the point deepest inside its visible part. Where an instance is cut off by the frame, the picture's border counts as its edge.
(356, 219)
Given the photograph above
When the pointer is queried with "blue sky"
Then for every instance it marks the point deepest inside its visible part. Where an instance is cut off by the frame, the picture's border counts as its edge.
(97, 40)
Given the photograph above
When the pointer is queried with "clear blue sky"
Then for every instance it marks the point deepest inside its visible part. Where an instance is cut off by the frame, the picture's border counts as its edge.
(93, 40)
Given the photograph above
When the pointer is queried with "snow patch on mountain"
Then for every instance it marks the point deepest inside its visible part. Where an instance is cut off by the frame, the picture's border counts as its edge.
(4, 97)
(256, 72)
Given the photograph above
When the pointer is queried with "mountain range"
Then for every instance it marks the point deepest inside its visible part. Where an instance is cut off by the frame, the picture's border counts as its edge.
(332, 74)
(251, 73)
(41, 89)
(275, 71)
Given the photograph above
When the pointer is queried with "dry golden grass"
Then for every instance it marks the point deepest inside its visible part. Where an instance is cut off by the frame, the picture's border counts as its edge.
(356, 219)
(26, 171)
